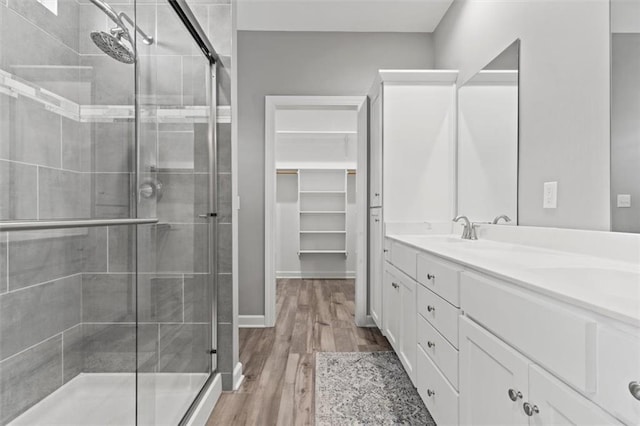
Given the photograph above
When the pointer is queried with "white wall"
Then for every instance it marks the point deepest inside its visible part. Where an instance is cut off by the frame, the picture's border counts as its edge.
(488, 149)
(296, 63)
(564, 96)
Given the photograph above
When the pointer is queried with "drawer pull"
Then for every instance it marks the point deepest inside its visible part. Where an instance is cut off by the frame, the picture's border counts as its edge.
(377, 194)
(529, 409)
(430, 392)
(394, 285)
(634, 388)
(431, 308)
(514, 395)
(430, 276)
(431, 344)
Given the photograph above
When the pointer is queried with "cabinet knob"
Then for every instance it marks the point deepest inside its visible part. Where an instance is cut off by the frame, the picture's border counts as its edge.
(430, 276)
(430, 392)
(431, 344)
(529, 409)
(377, 194)
(515, 395)
(376, 220)
(394, 285)
(634, 388)
(385, 251)
(431, 308)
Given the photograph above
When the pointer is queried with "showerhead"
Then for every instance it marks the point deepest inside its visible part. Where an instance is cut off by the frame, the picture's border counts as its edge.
(112, 44)
(114, 47)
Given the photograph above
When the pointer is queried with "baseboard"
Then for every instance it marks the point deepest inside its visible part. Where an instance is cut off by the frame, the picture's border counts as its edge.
(251, 321)
(238, 377)
(207, 403)
(316, 274)
(369, 322)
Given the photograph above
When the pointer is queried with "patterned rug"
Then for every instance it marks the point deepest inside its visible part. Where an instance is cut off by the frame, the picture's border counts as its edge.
(366, 388)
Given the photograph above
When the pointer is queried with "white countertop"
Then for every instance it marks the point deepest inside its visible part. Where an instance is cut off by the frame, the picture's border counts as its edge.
(605, 286)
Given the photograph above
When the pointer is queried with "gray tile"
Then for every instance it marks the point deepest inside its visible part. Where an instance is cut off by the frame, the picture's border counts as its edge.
(224, 81)
(56, 65)
(201, 148)
(31, 315)
(36, 134)
(224, 148)
(95, 247)
(122, 249)
(172, 38)
(112, 195)
(29, 377)
(182, 248)
(225, 298)
(224, 248)
(184, 197)
(63, 194)
(166, 91)
(3, 262)
(112, 81)
(39, 256)
(18, 191)
(184, 348)
(220, 28)
(224, 198)
(63, 26)
(91, 19)
(114, 147)
(76, 146)
(108, 298)
(160, 299)
(225, 347)
(72, 350)
(176, 150)
(227, 381)
(7, 106)
(194, 80)
(109, 348)
(197, 298)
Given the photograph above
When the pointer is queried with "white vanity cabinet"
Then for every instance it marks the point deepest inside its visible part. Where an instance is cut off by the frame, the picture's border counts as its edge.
(376, 263)
(500, 386)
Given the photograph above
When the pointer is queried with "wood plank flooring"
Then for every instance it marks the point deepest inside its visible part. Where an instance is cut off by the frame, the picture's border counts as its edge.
(278, 363)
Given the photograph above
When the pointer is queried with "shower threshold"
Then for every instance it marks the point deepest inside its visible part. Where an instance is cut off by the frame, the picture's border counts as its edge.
(101, 399)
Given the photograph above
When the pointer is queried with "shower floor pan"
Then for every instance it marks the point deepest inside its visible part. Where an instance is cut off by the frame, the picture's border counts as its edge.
(101, 399)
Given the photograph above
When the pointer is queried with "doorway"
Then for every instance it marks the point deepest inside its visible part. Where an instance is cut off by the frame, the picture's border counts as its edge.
(316, 194)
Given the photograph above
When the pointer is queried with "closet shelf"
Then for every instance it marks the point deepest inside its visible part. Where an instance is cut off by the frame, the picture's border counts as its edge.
(323, 252)
(322, 192)
(323, 232)
(323, 212)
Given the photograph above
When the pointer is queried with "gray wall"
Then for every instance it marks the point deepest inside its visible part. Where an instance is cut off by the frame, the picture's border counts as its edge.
(625, 130)
(564, 96)
(294, 63)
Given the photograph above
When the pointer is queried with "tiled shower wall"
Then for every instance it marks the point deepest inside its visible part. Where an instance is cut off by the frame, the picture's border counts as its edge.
(67, 300)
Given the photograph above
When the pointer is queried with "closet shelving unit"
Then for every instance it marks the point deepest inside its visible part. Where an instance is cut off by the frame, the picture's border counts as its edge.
(322, 206)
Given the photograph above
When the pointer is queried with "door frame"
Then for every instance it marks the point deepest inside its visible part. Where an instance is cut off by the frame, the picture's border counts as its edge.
(272, 104)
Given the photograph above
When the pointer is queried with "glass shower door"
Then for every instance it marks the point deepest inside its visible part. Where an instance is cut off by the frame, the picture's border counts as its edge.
(175, 280)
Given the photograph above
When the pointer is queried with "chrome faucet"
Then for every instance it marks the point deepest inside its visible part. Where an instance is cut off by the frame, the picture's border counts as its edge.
(506, 218)
(469, 231)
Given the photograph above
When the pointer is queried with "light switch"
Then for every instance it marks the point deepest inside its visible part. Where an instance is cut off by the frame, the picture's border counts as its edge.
(550, 198)
(624, 200)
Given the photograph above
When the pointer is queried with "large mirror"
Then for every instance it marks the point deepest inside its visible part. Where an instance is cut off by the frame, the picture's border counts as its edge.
(488, 140)
(625, 115)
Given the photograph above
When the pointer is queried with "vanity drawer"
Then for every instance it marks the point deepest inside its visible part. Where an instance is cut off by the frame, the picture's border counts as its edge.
(442, 315)
(553, 336)
(442, 403)
(618, 366)
(441, 352)
(404, 258)
(440, 277)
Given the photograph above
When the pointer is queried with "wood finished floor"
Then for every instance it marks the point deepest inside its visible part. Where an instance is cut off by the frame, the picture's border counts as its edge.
(278, 363)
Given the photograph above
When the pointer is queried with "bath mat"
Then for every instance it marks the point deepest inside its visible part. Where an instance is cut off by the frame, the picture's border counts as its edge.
(366, 388)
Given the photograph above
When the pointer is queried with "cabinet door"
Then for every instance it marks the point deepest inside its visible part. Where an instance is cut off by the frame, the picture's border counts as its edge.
(407, 333)
(375, 157)
(375, 266)
(391, 307)
(557, 404)
(488, 370)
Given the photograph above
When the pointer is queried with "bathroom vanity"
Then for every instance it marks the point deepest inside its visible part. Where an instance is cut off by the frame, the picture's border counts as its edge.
(498, 332)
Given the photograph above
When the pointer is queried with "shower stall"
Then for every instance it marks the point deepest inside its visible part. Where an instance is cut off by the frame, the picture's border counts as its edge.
(107, 212)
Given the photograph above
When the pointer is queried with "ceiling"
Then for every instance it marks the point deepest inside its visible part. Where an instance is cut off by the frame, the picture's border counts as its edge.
(341, 15)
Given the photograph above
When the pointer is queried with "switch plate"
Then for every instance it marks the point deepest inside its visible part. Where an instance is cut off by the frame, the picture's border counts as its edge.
(550, 196)
(624, 200)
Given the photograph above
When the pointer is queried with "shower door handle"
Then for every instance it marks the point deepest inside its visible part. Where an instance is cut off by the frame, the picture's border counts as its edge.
(208, 215)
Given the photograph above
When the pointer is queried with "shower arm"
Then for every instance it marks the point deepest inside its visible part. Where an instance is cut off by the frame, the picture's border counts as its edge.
(117, 18)
(148, 40)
